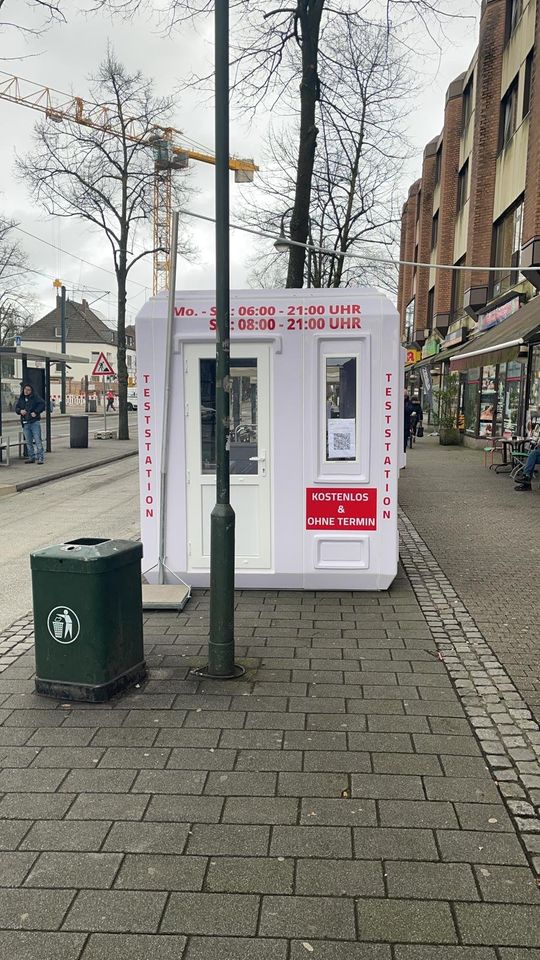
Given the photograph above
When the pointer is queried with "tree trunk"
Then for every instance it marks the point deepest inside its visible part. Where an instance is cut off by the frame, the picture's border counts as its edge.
(123, 427)
(309, 21)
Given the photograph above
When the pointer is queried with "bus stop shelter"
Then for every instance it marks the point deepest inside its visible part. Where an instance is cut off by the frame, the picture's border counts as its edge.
(34, 363)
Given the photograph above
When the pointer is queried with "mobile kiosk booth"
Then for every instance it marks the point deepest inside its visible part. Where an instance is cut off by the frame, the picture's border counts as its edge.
(315, 441)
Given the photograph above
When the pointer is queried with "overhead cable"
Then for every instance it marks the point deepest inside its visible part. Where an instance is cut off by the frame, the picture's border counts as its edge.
(349, 254)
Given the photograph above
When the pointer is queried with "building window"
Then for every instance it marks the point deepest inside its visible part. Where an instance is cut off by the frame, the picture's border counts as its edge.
(438, 165)
(506, 249)
(340, 408)
(409, 322)
(435, 230)
(471, 401)
(527, 84)
(467, 104)
(430, 308)
(458, 289)
(533, 400)
(488, 401)
(509, 109)
(513, 15)
(418, 203)
(463, 186)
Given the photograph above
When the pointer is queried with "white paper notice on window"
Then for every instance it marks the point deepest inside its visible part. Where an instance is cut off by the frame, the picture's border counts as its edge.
(342, 439)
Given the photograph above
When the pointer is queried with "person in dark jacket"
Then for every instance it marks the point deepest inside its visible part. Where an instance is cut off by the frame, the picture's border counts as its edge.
(417, 414)
(30, 406)
(407, 411)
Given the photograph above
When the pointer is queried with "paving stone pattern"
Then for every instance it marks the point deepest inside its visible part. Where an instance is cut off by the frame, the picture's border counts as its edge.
(335, 802)
(15, 640)
(483, 534)
(506, 729)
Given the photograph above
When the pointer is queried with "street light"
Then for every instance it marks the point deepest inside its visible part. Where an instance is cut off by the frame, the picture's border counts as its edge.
(58, 285)
(221, 663)
(283, 244)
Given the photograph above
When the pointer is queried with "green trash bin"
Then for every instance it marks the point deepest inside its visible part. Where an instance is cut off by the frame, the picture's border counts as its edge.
(87, 597)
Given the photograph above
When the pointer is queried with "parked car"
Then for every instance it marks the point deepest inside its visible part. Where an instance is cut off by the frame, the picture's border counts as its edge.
(132, 400)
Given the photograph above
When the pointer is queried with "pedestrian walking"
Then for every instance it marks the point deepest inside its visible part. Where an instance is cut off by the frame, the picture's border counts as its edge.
(30, 406)
(110, 402)
(417, 416)
(407, 412)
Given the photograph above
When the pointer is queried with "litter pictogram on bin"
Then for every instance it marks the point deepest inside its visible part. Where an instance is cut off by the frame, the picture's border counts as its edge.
(63, 624)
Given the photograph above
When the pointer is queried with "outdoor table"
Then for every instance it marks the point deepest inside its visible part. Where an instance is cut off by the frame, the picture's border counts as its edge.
(506, 446)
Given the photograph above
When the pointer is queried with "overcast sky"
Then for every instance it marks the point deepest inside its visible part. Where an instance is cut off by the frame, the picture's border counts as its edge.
(66, 56)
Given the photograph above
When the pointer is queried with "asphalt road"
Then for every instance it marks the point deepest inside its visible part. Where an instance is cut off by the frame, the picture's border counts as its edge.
(100, 503)
(60, 424)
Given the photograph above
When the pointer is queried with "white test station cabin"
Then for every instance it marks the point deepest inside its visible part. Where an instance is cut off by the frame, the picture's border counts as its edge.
(315, 441)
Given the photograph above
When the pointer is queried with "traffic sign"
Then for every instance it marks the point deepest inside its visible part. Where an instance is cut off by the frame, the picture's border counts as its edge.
(103, 367)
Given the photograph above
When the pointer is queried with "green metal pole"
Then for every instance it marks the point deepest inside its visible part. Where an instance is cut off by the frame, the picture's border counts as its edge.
(63, 348)
(221, 646)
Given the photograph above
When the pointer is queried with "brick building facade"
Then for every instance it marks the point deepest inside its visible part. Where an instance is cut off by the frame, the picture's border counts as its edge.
(477, 204)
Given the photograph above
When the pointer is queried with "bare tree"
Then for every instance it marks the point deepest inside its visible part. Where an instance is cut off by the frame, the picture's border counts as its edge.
(361, 150)
(106, 177)
(280, 46)
(46, 11)
(16, 301)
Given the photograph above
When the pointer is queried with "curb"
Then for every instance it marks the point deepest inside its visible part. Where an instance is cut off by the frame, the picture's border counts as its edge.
(6, 489)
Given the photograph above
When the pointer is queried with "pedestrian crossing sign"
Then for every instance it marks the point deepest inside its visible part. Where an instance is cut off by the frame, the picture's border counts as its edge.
(103, 367)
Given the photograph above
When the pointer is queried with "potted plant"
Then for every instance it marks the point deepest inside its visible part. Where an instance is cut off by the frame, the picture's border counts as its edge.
(445, 417)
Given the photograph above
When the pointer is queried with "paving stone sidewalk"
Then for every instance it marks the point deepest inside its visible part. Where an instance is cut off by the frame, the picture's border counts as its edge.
(484, 536)
(63, 461)
(334, 803)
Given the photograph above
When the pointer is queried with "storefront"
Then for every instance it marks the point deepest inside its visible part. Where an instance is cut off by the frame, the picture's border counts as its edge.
(500, 373)
(491, 399)
(532, 406)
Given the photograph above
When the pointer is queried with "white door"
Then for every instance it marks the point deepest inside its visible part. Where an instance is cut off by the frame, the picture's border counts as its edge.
(249, 452)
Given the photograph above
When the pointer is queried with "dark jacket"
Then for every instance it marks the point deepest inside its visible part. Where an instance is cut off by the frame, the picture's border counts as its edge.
(417, 410)
(32, 404)
(408, 409)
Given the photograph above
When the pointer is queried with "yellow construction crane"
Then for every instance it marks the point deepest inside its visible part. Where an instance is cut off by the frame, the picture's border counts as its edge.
(169, 153)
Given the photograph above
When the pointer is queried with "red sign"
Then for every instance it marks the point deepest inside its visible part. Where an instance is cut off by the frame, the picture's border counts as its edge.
(103, 367)
(341, 508)
(493, 317)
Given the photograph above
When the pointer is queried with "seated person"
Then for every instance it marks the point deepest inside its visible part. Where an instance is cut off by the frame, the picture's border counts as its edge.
(528, 470)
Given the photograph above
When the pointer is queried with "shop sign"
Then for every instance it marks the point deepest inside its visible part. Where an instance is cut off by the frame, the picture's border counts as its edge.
(431, 348)
(493, 317)
(427, 383)
(454, 337)
(412, 356)
(340, 508)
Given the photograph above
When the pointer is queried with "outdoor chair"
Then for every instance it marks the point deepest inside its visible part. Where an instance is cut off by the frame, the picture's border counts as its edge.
(519, 458)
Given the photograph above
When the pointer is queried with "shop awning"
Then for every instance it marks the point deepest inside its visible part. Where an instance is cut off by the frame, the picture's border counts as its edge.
(500, 344)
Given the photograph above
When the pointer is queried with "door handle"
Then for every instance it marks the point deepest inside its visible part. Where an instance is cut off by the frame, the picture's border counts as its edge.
(260, 459)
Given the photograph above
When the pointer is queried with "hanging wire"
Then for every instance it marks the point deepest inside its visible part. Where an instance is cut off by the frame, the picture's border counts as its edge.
(353, 256)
